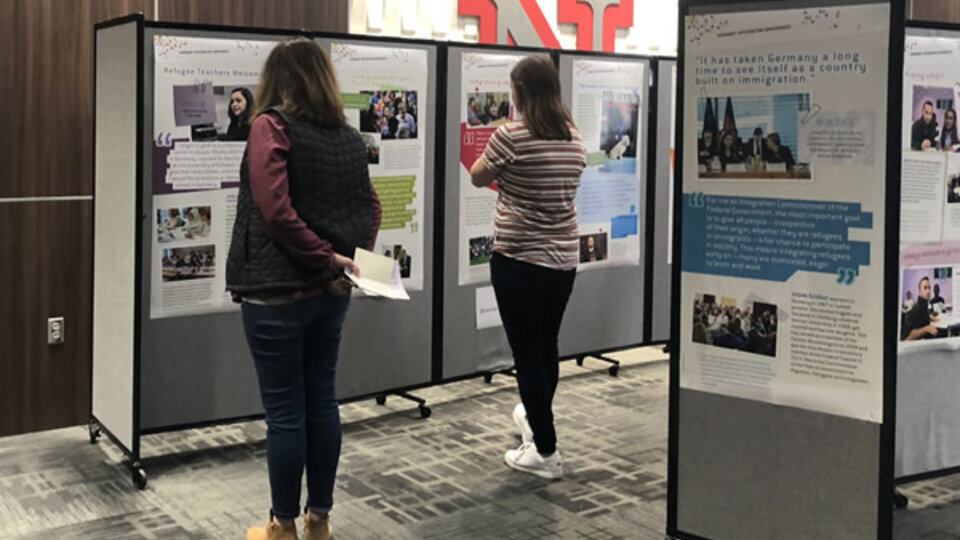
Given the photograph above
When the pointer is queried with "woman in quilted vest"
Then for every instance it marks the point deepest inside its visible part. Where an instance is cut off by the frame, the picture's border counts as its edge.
(305, 203)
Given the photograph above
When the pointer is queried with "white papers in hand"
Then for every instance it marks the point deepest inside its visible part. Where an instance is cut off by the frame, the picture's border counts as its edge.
(379, 275)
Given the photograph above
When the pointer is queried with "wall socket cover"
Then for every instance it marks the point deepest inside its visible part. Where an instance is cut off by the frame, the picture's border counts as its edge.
(55, 331)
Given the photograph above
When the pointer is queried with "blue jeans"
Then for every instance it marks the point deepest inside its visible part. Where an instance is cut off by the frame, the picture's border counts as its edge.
(294, 347)
(532, 300)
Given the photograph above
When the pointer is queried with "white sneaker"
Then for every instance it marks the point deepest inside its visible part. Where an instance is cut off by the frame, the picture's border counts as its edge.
(520, 419)
(528, 460)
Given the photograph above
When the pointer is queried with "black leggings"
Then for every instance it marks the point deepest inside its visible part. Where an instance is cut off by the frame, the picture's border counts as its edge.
(532, 299)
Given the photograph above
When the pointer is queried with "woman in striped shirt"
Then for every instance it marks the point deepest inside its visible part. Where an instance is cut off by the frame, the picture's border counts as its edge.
(537, 162)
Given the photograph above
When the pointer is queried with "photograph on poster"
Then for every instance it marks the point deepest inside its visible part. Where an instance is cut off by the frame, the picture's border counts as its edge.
(481, 249)
(180, 264)
(372, 142)
(391, 113)
(189, 223)
(618, 133)
(767, 144)
(749, 327)
(488, 109)
(926, 305)
(953, 188)
(593, 247)
(933, 119)
(214, 112)
(399, 253)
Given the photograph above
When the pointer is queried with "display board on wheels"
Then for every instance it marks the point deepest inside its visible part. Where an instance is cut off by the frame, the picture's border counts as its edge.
(783, 207)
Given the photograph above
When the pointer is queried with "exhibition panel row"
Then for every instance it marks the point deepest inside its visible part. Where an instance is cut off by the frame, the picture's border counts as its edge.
(169, 193)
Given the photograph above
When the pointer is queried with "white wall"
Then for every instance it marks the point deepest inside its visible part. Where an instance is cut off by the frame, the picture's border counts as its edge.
(654, 31)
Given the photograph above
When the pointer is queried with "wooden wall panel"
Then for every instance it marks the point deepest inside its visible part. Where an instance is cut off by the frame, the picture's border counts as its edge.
(946, 11)
(45, 272)
(47, 78)
(328, 15)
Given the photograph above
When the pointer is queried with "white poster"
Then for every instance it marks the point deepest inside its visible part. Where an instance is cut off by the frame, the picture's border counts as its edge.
(930, 188)
(485, 104)
(202, 88)
(607, 107)
(784, 170)
(385, 95)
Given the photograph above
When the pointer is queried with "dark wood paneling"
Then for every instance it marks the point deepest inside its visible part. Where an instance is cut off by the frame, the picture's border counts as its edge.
(47, 80)
(946, 11)
(45, 272)
(328, 15)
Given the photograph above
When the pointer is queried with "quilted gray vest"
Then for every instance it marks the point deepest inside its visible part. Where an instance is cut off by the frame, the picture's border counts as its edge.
(330, 190)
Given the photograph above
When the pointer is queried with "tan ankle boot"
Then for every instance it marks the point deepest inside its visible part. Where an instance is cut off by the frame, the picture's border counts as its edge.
(272, 531)
(317, 527)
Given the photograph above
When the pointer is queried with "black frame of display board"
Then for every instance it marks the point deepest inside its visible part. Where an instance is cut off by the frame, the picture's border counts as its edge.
(133, 453)
(885, 495)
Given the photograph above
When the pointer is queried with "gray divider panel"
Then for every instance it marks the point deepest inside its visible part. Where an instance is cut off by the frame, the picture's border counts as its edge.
(606, 307)
(198, 368)
(466, 350)
(754, 471)
(114, 245)
(663, 216)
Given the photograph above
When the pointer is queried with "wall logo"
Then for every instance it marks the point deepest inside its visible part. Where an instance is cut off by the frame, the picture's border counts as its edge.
(522, 22)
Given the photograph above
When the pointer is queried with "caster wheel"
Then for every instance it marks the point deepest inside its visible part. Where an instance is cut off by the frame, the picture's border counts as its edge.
(425, 411)
(139, 476)
(580, 361)
(94, 428)
(614, 370)
(900, 501)
(381, 400)
(488, 378)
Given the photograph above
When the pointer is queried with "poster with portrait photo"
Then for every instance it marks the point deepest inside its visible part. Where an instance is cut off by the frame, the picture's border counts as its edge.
(757, 137)
(928, 119)
(724, 322)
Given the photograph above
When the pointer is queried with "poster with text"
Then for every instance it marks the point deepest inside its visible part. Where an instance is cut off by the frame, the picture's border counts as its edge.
(204, 92)
(485, 105)
(784, 181)
(386, 99)
(607, 107)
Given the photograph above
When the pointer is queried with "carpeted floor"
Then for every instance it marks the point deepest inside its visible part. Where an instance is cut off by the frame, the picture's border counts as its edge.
(401, 477)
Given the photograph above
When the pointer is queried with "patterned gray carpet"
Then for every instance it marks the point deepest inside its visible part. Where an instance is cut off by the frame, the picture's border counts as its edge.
(401, 477)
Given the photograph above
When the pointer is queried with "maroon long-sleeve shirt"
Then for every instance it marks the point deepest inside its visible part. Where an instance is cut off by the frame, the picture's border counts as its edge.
(267, 150)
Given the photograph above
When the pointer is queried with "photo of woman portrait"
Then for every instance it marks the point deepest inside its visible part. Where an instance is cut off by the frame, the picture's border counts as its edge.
(241, 103)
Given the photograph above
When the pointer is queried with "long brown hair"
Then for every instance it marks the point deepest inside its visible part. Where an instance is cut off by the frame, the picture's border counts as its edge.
(537, 86)
(298, 77)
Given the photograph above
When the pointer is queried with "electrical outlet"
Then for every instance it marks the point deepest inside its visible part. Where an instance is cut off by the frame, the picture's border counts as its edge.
(55, 330)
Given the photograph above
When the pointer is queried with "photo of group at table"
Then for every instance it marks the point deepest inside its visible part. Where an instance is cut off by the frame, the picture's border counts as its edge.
(187, 223)
(749, 327)
(926, 310)
(768, 145)
(185, 263)
(488, 108)
(933, 120)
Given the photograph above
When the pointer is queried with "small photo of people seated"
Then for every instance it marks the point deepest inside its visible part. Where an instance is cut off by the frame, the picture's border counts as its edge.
(180, 264)
(391, 113)
(399, 253)
(481, 250)
(768, 146)
(722, 322)
(926, 308)
(488, 109)
(933, 120)
(189, 223)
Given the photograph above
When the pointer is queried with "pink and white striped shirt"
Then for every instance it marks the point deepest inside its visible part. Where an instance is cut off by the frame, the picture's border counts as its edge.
(536, 218)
